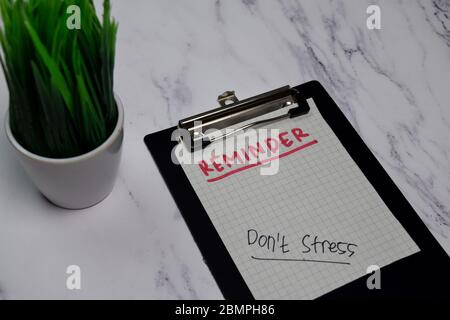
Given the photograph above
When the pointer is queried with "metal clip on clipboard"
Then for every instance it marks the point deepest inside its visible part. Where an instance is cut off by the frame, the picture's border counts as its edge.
(233, 111)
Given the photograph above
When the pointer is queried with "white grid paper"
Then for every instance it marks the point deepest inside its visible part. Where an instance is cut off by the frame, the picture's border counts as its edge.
(318, 191)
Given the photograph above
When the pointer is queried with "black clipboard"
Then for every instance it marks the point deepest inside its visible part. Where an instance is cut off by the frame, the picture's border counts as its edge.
(425, 274)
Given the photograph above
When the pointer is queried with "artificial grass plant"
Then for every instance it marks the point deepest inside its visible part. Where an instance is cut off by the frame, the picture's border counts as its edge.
(60, 80)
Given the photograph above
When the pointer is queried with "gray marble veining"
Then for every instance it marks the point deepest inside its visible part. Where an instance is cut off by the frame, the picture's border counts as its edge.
(2, 297)
(173, 58)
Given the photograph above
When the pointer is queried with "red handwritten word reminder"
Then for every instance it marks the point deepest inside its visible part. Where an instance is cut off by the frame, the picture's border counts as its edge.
(252, 155)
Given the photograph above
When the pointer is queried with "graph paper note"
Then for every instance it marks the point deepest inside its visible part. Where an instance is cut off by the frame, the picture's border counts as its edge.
(294, 211)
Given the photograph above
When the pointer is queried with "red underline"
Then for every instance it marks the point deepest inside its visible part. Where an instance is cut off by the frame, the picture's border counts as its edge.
(229, 173)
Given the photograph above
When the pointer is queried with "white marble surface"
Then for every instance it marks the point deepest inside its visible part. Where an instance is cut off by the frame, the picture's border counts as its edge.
(173, 59)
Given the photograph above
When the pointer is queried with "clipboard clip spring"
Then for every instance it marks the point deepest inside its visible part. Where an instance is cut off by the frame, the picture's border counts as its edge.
(233, 111)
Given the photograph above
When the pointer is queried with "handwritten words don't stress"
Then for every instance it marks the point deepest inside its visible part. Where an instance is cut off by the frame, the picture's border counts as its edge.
(305, 243)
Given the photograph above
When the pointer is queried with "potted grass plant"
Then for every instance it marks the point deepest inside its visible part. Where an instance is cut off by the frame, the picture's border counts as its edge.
(64, 121)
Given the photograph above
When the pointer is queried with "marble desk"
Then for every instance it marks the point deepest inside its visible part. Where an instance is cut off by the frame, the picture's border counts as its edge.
(173, 59)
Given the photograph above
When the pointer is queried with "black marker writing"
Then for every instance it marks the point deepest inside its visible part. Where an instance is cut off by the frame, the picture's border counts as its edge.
(299, 260)
(326, 246)
(313, 247)
(267, 241)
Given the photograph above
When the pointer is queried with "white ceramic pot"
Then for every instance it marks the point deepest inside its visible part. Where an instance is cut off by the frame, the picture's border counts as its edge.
(78, 182)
